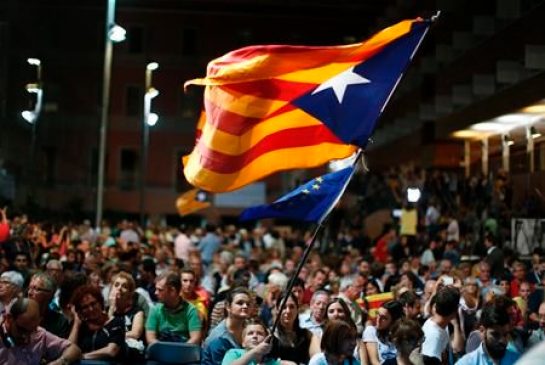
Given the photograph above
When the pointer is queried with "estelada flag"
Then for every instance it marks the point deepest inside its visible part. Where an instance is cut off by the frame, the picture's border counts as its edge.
(191, 201)
(372, 303)
(273, 108)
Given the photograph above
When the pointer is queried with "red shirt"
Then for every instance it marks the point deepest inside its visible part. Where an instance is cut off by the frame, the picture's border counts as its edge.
(4, 232)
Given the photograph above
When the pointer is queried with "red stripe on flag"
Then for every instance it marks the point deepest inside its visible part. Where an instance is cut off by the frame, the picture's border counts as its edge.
(273, 89)
(288, 138)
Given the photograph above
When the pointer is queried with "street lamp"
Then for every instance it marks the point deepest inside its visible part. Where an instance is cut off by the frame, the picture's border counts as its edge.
(113, 33)
(150, 119)
(31, 116)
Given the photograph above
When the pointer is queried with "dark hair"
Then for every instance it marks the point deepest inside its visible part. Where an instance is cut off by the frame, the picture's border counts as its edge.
(406, 331)
(336, 332)
(72, 281)
(494, 314)
(171, 279)
(346, 309)
(231, 294)
(408, 298)
(446, 301)
(87, 290)
(395, 308)
(299, 282)
(148, 265)
(188, 271)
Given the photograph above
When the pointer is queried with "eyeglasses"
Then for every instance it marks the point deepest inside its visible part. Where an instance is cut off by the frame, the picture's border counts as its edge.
(39, 290)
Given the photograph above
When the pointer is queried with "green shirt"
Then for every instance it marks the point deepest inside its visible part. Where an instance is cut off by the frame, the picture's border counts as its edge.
(180, 321)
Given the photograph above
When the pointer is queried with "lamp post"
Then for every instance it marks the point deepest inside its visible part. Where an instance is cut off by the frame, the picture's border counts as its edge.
(114, 33)
(31, 116)
(150, 119)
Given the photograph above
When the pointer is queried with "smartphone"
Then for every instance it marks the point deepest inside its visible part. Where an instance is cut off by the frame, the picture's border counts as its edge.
(448, 280)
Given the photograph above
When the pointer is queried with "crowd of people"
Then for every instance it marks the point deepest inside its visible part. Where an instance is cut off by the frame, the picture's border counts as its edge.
(70, 292)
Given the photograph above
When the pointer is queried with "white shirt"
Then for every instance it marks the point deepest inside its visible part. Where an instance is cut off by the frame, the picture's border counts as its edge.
(385, 350)
(182, 245)
(436, 339)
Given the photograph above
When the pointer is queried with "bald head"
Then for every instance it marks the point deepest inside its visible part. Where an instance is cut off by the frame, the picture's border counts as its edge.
(22, 320)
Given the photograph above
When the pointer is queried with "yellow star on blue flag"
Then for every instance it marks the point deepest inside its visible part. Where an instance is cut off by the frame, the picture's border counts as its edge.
(310, 202)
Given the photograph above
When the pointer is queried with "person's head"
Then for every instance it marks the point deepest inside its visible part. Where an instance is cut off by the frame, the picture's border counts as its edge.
(525, 290)
(238, 303)
(505, 285)
(42, 288)
(319, 278)
(337, 309)
(189, 281)
(339, 339)
(484, 271)
(541, 315)
(21, 261)
(298, 289)
(446, 301)
(54, 269)
(167, 288)
(445, 267)
(89, 303)
(407, 335)
(290, 312)
(22, 320)
(364, 268)
(411, 304)
(318, 303)
(254, 333)
(240, 262)
(123, 285)
(372, 288)
(489, 241)
(387, 314)
(495, 327)
(519, 271)
(146, 271)
(195, 263)
(11, 285)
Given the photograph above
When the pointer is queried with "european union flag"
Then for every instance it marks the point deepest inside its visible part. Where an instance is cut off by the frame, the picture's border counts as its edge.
(310, 202)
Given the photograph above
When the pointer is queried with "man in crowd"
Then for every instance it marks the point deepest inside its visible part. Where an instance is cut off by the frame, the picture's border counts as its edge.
(317, 281)
(23, 342)
(173, 319)
(42, 289)
(189, 282)
(411, 305)
(495, 331)
(437, 338)
(494, 257)
(11, 286)
(314, 320)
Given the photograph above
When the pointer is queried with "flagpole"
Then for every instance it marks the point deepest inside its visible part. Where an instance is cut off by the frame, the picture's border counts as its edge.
(309, 247)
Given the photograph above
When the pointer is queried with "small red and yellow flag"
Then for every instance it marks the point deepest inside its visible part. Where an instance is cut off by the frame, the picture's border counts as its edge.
(191, 201)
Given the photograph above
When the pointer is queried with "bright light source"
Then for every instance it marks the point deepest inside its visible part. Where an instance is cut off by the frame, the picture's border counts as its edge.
(29, 116)
(117, 34)
(535, 109)
(152, 92)
(152, 66)
(516, 118)
(34, 61)
(490, 127)
(152, 119)
(413, 195)
(33, 88)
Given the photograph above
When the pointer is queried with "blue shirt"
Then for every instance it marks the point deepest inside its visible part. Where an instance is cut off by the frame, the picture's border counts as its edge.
(209, 245)
(480, 357)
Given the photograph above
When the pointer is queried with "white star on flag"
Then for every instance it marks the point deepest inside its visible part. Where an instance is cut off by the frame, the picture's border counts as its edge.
(340, 82)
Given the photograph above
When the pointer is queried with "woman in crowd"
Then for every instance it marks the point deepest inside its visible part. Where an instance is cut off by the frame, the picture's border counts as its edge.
(338, 344)
(228, 333)
(121, 304)
(97, 335)
(377, 338)
(407, 336)
(290, 341)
